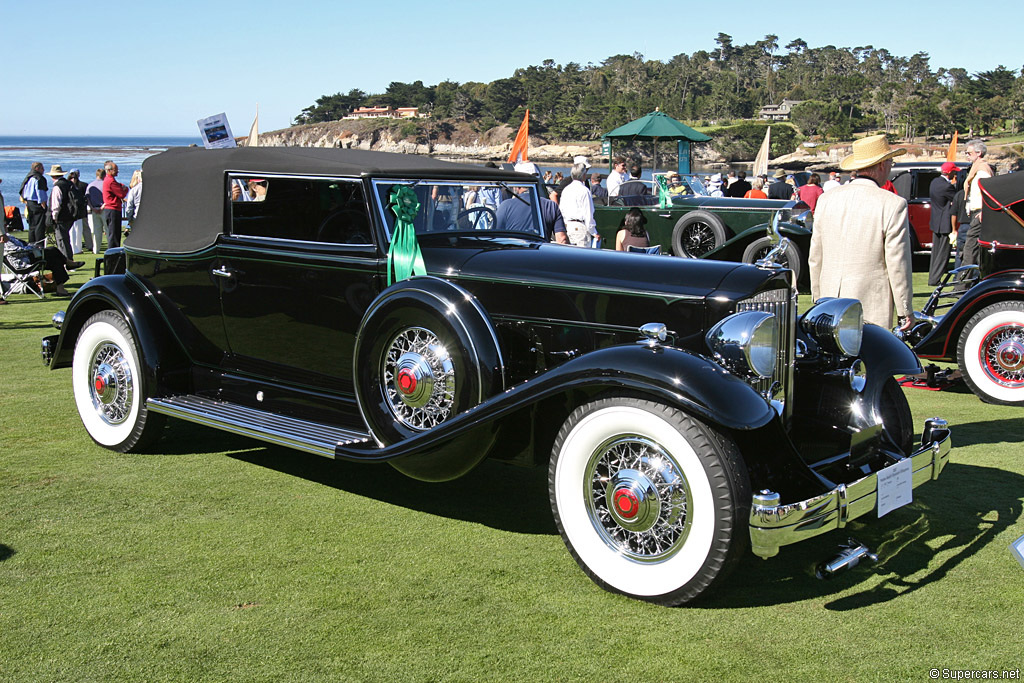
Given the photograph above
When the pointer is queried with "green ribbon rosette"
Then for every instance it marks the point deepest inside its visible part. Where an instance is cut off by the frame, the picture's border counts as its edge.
(404, 257)
(664, 198)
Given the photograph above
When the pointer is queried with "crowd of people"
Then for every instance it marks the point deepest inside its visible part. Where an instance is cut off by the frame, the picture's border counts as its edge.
(78, 215)
(860, 246)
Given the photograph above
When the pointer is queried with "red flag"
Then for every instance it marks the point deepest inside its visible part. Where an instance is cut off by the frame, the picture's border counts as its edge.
(951, 152)
(519, 147)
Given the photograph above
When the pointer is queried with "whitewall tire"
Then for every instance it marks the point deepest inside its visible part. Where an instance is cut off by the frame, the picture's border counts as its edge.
(108, 385)
(991, 353)
(651, 502)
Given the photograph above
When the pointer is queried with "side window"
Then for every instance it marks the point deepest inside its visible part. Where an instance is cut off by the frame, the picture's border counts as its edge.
(305, 209)
(924, 182)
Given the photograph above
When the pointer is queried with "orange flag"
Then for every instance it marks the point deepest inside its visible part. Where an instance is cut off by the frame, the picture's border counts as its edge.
(519, 147)
(951, 152)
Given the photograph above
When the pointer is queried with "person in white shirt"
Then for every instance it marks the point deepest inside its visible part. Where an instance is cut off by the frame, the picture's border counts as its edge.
(577, 205)
(976, 151)
(832, 182)
(617, 176)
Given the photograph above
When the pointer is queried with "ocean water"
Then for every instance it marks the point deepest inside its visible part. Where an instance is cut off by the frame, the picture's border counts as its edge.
(85, 153)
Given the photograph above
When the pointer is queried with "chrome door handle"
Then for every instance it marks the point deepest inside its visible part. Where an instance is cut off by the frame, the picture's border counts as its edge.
(223, 271)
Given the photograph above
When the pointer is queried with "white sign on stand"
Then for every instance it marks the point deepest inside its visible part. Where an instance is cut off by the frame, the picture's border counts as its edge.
(216, 132)
(895, 486)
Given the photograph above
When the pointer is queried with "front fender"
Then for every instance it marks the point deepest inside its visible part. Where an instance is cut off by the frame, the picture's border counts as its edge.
(885, 355)
(941, 342)
(689, 382)
(161, 355)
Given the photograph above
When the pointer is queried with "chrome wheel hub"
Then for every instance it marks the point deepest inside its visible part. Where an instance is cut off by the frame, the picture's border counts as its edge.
(638, 499)
(419, 379)
(1003, 355)
(111, 386)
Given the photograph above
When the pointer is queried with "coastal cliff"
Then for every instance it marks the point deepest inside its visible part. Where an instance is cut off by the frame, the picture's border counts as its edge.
(447, 139)
(456, 139)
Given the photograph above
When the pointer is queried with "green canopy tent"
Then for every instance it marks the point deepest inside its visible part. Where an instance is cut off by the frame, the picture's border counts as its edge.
(654, 127)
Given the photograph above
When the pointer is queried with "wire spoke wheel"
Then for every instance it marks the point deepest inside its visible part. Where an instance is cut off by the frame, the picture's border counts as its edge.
(638, 499)
(419, 379)
(111, 387)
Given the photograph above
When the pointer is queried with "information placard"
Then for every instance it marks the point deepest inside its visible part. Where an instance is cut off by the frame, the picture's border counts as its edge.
(895, 486)
(216, 132)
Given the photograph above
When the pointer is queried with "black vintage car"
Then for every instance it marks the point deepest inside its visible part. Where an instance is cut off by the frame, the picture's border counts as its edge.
(368, 307)
(975, 318)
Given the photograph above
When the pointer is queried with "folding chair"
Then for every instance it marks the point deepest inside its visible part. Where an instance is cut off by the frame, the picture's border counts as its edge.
(22, 264)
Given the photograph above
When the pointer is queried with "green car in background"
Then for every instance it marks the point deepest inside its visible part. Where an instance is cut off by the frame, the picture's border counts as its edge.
(697, 225)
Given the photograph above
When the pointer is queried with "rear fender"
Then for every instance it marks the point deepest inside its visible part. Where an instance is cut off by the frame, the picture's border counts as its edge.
(164, 363)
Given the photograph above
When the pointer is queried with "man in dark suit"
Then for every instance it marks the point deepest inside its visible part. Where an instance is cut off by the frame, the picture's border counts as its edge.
(780, 189)
(940, 194)
(740, 187)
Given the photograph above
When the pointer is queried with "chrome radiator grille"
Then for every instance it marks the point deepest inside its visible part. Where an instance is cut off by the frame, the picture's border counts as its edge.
(782, 303)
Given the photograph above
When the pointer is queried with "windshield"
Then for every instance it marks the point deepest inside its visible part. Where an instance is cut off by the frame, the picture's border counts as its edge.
(449, 206)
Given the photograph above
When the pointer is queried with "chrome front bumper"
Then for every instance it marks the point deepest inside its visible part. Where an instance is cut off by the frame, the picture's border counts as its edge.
(773, 525)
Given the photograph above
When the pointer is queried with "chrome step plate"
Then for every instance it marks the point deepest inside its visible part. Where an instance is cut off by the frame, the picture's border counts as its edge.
(303, 435)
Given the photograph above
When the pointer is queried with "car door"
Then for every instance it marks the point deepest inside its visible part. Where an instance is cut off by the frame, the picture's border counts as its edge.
(297, 272)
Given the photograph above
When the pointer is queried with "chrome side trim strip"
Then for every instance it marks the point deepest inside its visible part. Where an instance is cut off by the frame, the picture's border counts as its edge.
(773, 526)
(302, 435)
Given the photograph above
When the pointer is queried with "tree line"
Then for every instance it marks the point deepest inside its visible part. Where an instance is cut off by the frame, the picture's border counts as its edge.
(842, 90)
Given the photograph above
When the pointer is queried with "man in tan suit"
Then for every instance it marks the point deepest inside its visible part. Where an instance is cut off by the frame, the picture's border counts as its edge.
(860, 247)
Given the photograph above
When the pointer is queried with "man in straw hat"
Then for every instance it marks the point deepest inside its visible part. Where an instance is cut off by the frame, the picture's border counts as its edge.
(860, 247)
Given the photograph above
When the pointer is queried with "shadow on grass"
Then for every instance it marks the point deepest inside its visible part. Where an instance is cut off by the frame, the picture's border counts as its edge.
(988, 431)
(11, 325)
(495, 494)
(948, 522)
(6, 551)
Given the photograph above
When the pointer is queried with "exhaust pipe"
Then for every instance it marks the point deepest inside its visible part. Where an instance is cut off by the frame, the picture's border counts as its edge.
(849, 556)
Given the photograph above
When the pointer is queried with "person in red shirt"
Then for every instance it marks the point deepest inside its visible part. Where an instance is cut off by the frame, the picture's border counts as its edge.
(113, 198)
(810, 192)
(757, 190)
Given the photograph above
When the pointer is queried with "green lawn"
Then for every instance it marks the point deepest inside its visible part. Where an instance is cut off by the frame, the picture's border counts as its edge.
(219, 558)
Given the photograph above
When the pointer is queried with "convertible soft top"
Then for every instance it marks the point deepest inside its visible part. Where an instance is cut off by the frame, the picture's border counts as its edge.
(1003, 211)
(184, 190)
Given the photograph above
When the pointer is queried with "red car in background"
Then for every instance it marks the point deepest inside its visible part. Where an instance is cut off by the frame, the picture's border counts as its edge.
(912, 180)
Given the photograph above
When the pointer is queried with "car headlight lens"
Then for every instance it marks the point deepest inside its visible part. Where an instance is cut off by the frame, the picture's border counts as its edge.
(746, 342)
(836, 324)
(804, 219)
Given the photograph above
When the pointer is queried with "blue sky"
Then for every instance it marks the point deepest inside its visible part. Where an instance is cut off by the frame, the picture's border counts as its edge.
(169, 64)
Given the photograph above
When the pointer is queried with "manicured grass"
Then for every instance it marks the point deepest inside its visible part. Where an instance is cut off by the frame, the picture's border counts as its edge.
(219, 558)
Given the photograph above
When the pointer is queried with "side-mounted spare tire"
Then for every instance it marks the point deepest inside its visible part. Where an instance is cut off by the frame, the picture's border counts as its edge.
(697, 233)
(760, 247)
(426, 351)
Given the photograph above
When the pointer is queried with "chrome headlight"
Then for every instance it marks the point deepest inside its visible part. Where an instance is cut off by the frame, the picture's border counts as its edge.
(746, 342)
(836, 324)
(804, 219)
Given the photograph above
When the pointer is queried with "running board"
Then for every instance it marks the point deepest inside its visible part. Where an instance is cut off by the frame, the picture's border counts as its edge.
(311, 437)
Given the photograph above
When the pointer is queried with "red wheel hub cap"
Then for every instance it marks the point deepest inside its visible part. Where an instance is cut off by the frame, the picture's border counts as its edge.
(406, 381)
(626, 503)
(99, 384)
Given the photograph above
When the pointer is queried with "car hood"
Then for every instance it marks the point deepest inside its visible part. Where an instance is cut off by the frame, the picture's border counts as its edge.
(530, 262)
